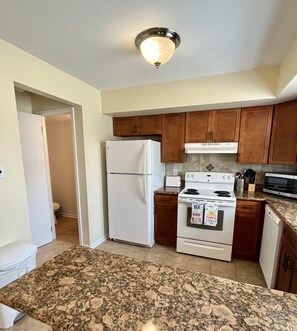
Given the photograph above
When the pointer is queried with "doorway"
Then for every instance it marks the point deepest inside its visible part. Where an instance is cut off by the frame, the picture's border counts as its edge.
(71, 230)
(59, 133)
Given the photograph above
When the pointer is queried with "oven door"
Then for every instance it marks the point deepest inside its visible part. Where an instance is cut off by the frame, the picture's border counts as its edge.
(221, 233)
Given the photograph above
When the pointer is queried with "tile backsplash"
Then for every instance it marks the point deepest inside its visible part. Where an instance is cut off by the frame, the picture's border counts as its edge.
(224, 163)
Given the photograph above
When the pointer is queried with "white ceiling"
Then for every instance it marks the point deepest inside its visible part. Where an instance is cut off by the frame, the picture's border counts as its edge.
(94, 39)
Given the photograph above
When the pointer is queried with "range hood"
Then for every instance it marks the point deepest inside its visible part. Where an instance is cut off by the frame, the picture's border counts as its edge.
(211, 148)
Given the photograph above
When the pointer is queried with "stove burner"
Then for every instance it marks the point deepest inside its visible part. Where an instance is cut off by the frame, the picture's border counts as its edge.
(224, 194)
(191, 191)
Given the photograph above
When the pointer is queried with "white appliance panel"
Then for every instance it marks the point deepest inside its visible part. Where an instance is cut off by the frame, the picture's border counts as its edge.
(130, 208)
(129, 156)
(270, 247)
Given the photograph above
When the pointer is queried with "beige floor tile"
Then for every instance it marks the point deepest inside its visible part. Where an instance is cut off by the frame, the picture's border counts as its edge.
(203, 267)
(249, 272)
(198, 260)
(223, 269)
(254, 280)
(30, 324)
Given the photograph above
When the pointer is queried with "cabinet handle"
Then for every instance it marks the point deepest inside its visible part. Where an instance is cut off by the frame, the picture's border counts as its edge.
(211, 136)
(296, 158)
(287, 263)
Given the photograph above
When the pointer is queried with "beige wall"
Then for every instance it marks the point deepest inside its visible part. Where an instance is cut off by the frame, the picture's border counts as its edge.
(60, 150)
(24, 70)
(224, 91)
(248, 88)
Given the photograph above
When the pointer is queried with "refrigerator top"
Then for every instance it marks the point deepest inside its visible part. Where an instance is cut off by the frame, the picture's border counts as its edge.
(134, 157)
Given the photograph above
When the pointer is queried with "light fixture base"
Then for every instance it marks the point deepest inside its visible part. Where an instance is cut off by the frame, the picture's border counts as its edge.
(157, 32)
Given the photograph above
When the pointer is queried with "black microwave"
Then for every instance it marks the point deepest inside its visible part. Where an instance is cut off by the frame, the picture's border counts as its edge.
(281, 184)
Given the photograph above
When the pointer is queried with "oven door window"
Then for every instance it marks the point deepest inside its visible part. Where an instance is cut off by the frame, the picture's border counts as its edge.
(218, 227)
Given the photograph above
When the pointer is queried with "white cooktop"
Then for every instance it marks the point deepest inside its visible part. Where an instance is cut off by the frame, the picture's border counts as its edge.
(206, 184)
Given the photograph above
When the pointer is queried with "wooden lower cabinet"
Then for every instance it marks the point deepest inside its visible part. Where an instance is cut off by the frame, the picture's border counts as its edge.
(165, 219)
(287, 269)
(248, 228)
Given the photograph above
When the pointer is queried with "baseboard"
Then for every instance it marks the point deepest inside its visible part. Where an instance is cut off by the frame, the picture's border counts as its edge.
(99, 241)
(69, 215)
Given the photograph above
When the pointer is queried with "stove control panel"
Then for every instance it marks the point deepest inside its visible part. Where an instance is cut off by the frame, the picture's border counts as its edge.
(209, 177)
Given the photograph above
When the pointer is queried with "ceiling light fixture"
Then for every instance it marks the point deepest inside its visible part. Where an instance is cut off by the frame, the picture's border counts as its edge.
(157, 45)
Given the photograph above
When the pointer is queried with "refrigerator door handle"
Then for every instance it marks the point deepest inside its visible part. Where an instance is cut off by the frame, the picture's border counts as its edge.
(144, 158)
(144, 189)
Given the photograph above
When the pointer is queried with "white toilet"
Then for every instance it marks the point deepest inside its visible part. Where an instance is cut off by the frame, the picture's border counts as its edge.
(56, 207)
(16, 259)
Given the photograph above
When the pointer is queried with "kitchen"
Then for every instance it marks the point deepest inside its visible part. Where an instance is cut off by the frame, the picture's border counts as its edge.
(251, 88)
(217, 156)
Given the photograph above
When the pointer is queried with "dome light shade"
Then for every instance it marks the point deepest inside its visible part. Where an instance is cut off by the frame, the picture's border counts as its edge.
(157, 45)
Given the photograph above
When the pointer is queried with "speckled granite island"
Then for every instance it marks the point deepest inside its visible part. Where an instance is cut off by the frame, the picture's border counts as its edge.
(88, 289)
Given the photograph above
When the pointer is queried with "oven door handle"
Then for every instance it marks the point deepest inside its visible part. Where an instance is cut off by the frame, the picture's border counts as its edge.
(231, 205)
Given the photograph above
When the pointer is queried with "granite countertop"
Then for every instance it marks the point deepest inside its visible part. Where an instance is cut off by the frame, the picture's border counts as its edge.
(285, 208)
(169, 190)
(88, 289)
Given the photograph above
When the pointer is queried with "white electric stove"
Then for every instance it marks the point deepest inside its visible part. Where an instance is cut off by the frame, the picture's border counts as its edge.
(210, 234)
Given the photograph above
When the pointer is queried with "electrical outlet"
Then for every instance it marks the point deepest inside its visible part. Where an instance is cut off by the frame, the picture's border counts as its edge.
(2, 172)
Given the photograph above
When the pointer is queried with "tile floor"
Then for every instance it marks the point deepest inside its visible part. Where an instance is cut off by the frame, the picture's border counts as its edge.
(67, 235)
(242, 271)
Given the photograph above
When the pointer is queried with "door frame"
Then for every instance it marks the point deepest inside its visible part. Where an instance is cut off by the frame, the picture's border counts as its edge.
(63, 111)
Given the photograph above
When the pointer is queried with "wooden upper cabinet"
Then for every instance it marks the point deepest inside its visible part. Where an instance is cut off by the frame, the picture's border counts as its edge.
(173, 142)
(124, 126)
(283, 146)
(213, 126)
(197, 126)
(225, 125)
(255, 129)
(150, 125)
(137, 125)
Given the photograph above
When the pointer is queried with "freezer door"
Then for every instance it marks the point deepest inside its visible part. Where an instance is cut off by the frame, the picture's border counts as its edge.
(129, 157)
(130, 208)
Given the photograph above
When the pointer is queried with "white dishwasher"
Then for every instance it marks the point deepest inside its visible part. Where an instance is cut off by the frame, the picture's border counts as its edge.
(270, 247)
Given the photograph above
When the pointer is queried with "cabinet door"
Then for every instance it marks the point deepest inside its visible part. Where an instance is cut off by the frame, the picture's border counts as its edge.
(255, 129)
(149, 125)
(124, 126)
(225, 125)
(198, 126)
(245, 238)
(283, 148)
(286, 261)
(293, 283)
(248, 228)
(173, 141)
(166, 219)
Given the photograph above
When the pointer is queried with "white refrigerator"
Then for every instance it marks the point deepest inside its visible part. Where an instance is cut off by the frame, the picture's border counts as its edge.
(134, 171)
